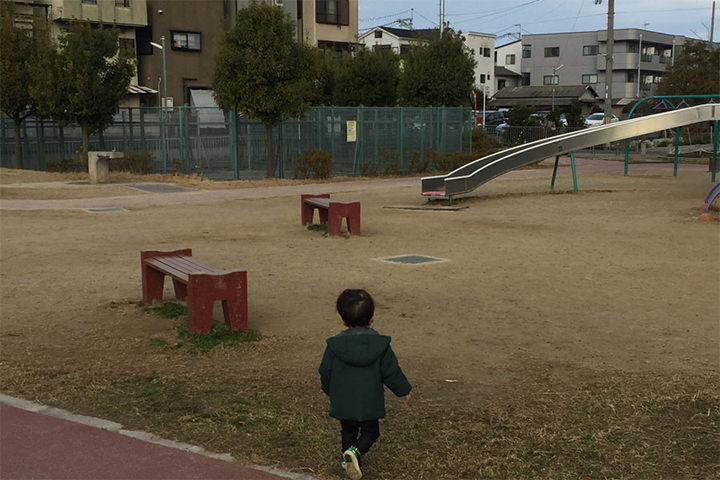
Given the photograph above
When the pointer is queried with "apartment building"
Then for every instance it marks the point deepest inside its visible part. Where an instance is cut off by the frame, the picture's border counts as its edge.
(579, 58)
(188, 33)
(480, 45)
(507, 65)
(124, 15)
(331, 25)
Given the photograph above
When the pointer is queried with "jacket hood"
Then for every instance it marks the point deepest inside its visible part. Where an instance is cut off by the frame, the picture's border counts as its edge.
(359, 350)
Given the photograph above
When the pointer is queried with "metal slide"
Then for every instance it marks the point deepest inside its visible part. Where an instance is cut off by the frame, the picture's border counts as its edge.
(470, 176)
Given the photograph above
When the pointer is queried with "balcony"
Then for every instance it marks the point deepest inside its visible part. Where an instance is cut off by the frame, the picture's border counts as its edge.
(130, 13)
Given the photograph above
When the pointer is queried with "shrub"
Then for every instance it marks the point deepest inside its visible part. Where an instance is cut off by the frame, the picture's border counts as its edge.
(67, 164)
(313, 164)
(133, 162)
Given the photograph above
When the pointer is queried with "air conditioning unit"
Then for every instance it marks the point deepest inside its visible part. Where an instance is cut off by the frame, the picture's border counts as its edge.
(278, 3)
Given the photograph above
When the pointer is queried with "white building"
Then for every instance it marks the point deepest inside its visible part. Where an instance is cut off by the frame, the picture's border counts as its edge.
(508, 71)
(480, 45)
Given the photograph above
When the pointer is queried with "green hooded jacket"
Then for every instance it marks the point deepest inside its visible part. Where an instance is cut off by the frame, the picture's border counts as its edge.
(353, 371)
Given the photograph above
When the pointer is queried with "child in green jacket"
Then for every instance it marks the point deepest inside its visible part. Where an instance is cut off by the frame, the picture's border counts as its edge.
(356, 364)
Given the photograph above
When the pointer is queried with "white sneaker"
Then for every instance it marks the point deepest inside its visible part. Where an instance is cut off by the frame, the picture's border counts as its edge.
(352, 463)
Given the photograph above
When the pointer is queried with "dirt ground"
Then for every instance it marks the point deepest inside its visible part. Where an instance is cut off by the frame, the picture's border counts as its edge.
(537, 292)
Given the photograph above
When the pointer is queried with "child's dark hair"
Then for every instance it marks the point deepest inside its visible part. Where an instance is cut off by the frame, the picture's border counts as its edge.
(356, 307)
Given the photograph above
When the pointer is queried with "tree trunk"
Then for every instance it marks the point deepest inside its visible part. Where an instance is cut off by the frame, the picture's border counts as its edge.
(85, 147)
(18, 144)
(269, 150)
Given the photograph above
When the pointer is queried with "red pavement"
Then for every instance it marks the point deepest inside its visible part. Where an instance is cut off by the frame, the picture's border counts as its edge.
(38, 446)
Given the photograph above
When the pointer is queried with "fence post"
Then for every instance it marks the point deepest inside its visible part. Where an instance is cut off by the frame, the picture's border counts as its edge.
(41, 146)
(402, 138)
(132, 129)
(124, 139)
(182, 135)
(142, 130)
(236, 154)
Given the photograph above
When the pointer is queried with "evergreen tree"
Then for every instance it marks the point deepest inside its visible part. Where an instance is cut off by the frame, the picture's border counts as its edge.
(695, 72)
(263, 72)
(92, 78)
(369, 78)
(437, 74)
(18, 53)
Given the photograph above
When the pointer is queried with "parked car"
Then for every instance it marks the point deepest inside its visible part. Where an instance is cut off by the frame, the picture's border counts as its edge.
(595, 119)
(492, 118)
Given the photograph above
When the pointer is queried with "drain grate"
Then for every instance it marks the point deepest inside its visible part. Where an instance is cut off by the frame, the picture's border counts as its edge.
(412, 259)
(158, 187)
(105, 209)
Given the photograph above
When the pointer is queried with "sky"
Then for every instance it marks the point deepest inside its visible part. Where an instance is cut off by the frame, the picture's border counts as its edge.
(505, 18)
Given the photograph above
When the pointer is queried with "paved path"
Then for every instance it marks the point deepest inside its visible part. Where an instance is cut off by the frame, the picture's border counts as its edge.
(39, 442)
(583, 166)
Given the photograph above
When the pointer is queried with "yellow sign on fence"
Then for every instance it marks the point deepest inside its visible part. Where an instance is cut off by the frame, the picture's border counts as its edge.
(351, 130)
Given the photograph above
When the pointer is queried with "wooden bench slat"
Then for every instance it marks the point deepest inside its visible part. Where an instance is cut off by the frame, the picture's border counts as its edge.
(192, 265)
(167, 269)
(318, 202)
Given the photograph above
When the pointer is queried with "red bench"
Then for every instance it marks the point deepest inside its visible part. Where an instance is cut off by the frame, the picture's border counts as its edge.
(331, 213)
(201, 284)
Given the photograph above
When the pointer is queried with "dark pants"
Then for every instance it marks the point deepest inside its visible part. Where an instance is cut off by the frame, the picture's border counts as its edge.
(362, 435)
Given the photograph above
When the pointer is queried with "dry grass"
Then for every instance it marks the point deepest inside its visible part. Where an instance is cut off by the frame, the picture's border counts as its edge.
(249, 400)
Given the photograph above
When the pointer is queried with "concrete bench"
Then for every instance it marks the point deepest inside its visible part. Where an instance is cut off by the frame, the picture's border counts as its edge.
(201, 284)
(331, 213)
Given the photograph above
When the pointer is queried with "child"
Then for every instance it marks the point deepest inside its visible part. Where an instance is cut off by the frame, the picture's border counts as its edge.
(356, 364)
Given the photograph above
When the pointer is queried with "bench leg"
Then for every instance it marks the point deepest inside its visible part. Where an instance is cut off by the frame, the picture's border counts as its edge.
(235, 303)
(204, 290)
(353, 218)
(200, 302)
(180, 290)
(308, 211)
(338, 211)
(153, 282)
(152, 285)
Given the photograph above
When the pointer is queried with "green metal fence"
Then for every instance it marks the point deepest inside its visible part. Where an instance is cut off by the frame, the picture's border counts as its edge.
(221, 145)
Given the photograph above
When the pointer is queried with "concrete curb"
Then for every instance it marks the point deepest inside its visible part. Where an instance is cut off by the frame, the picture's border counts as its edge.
(137, 434)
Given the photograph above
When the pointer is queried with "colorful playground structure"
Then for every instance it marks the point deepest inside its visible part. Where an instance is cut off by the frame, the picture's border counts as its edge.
(474, 174)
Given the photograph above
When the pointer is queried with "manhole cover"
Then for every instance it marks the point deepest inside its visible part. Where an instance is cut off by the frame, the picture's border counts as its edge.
(105, 209)
(158, 187)
(412, 259)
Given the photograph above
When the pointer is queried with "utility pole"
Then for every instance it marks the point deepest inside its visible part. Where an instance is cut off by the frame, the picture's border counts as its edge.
(712, 27)
(442, 16)
(609, 60)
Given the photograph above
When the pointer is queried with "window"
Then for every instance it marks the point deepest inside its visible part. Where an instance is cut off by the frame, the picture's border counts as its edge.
(525, 79)
(482, 78)
(550, 79)
(590, 50)
(336, 12)
(381, 47)
(404, 50)
(378, 33)
(89, 2)
(552, 51)
(526, 51)
(127, 47)
(510, 59)
(501, 84)
(186, 41)
(486, 52)
(647, 54)
(589, 78)
(122, 3)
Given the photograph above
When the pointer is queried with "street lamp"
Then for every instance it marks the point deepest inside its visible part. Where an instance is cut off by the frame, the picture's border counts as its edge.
(554, 81)
(161, 46)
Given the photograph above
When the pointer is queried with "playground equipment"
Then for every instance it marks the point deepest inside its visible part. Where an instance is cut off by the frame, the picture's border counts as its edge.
(711, 196)
(665, 102)
(471, 176)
